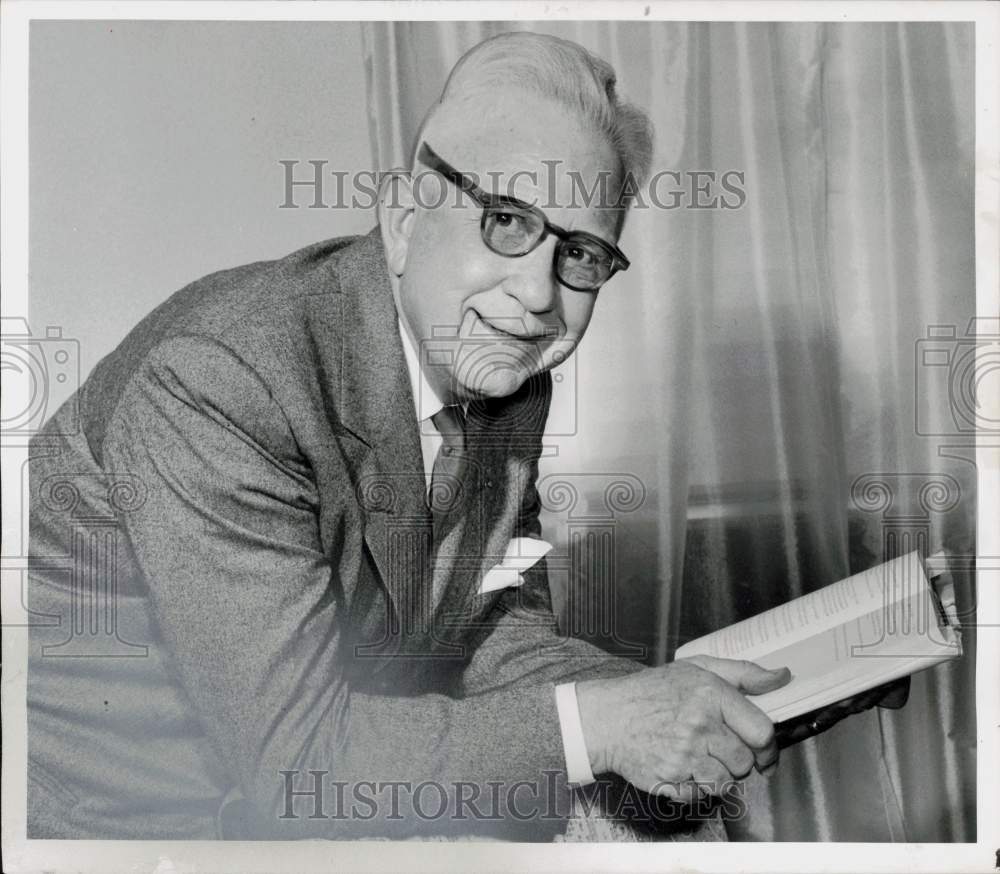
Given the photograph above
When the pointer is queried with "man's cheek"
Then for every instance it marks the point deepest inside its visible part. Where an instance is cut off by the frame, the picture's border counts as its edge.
(576, 314)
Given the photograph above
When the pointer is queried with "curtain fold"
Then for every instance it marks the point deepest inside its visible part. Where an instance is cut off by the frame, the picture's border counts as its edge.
(758, 368)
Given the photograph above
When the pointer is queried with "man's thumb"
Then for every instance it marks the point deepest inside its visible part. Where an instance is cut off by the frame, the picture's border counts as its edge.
(748, 677)
(757, 680)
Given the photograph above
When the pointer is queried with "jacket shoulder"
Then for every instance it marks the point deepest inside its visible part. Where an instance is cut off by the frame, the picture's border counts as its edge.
(242, 309)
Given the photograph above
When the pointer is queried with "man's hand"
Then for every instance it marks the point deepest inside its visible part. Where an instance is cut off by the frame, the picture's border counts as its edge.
(682, 729)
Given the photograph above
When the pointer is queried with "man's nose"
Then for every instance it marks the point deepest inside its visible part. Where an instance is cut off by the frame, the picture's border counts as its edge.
(532, 279)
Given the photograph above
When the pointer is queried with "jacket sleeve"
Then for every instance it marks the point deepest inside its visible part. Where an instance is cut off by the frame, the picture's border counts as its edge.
(247, 606)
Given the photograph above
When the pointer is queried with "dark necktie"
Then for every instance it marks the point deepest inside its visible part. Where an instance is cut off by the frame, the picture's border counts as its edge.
(449, 463)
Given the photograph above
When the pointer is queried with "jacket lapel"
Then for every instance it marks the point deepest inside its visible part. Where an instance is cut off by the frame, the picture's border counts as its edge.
(502, 437)
(376, 406)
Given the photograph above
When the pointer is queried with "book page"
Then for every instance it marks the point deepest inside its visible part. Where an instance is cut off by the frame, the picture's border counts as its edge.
(812, 614)
(841, 640)
(863, 653)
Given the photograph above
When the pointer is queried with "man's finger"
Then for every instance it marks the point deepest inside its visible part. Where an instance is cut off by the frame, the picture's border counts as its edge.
(748, 677)
(767, 758)
(737, 758)
(685, 792)
(748, 721)
(711, 777)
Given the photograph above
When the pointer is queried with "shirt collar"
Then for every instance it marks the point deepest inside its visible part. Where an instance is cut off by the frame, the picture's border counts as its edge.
(425, 400)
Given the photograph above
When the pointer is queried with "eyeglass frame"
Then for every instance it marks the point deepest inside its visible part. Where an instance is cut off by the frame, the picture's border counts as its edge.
(619, 262)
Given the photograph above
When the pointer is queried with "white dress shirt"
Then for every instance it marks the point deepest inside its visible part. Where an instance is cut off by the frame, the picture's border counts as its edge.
(427, 403)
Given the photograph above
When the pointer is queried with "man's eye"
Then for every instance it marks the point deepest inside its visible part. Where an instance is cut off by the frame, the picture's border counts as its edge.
(508, 219)
(579, 254)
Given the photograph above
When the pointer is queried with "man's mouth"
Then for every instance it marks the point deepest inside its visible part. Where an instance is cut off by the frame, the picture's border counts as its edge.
(508, 328)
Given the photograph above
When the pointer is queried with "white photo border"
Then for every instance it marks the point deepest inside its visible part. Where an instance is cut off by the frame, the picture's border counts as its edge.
(20, 854)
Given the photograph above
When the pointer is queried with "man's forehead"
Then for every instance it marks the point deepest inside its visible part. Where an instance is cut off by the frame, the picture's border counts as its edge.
(517, 131)
(530, 149)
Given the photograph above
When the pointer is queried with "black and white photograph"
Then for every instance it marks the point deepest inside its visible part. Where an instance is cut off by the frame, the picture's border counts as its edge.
(498, 437)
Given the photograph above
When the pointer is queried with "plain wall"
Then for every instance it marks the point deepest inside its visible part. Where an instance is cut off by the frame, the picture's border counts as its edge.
(154, 153)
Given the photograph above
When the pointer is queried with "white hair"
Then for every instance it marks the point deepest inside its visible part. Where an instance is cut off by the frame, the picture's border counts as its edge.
(565, 73)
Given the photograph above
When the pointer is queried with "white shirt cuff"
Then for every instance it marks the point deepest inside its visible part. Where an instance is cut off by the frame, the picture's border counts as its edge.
(574, 746)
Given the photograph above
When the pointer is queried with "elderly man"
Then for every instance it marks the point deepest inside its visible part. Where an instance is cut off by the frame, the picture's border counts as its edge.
(323, 461)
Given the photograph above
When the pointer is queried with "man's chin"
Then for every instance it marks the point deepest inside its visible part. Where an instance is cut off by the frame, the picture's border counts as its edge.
(498, 383)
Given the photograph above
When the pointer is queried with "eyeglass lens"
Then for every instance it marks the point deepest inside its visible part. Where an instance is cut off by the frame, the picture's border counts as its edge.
(580, 264)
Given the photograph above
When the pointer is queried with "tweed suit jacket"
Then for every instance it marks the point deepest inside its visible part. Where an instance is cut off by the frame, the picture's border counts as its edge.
(263, 593)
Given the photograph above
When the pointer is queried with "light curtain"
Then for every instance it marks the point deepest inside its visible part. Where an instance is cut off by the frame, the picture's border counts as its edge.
(757, 372)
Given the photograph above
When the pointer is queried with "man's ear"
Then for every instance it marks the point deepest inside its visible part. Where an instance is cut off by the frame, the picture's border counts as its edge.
(396, 215)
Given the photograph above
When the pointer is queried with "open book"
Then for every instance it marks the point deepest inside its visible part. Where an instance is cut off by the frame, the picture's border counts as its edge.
(846, 638)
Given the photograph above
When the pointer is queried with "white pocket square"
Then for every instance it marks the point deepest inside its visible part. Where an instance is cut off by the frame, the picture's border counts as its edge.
(522, 553)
